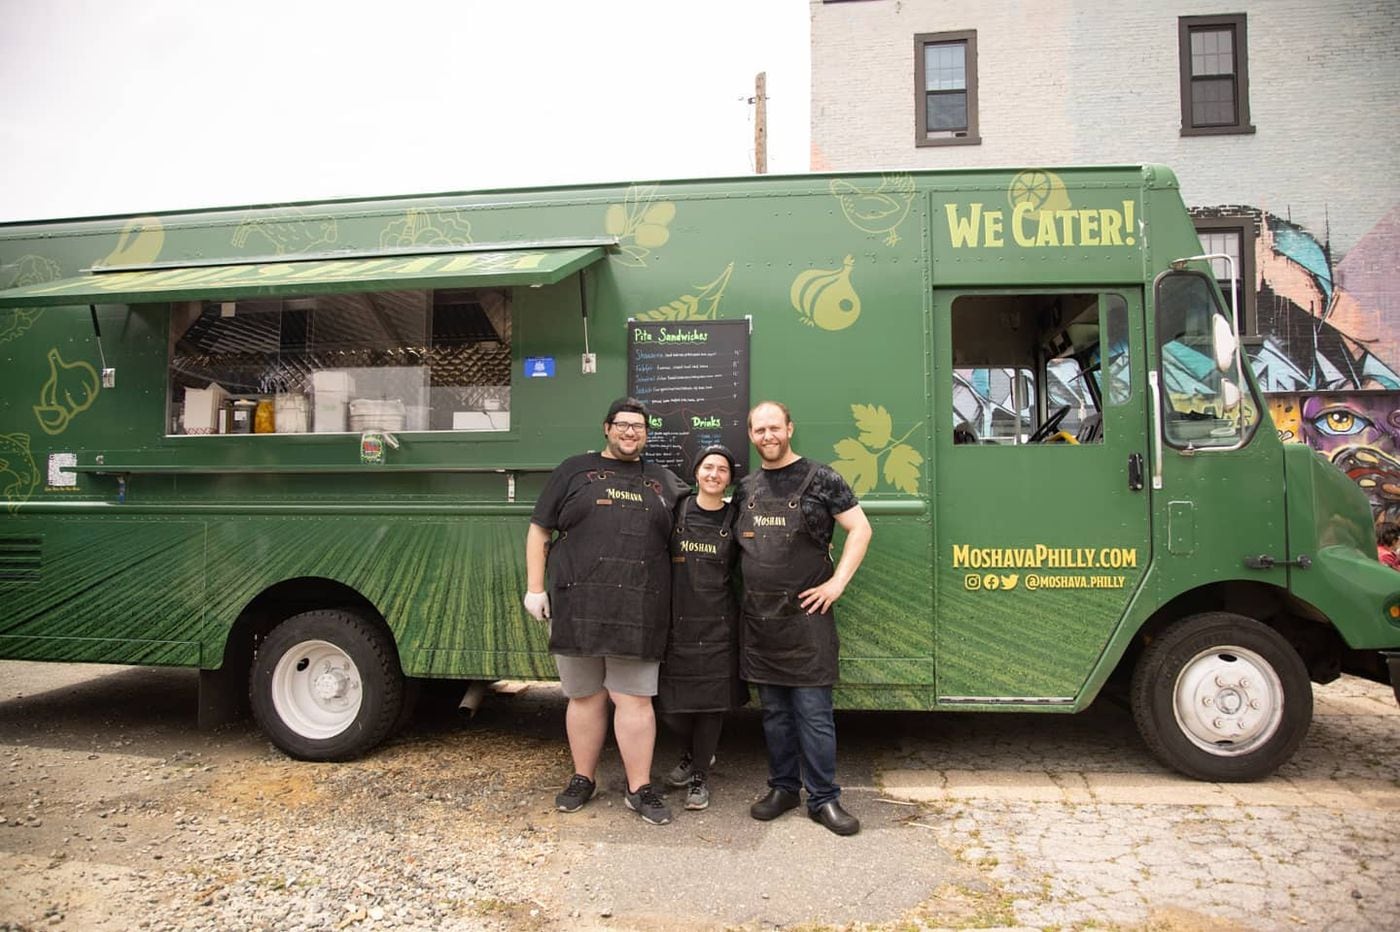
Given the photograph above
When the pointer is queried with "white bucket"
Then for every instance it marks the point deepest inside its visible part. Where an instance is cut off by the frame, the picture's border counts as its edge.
(373, 414)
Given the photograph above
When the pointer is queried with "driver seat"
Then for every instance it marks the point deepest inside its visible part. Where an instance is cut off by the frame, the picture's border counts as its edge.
(964, 433)
(1090, 429)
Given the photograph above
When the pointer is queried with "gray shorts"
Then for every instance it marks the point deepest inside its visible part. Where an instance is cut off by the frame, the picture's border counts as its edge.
(583, 676)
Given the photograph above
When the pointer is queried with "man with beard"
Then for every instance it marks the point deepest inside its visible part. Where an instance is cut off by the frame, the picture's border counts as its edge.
(788, 511)
(609, 600)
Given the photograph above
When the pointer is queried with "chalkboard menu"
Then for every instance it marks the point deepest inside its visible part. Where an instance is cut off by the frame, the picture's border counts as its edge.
(693, 376)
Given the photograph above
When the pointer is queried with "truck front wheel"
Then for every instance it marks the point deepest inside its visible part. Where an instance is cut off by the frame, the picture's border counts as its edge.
(326, 685)
(1222, 697)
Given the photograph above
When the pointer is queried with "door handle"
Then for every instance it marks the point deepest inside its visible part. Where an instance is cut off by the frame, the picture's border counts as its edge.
(1266, 562)
(1135, 472)
(1155, 390)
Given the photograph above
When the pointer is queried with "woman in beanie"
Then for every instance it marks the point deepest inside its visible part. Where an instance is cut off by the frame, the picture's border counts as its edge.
(700, 673)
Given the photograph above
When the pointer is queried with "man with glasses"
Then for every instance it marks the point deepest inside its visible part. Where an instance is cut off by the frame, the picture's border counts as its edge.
(602, 527)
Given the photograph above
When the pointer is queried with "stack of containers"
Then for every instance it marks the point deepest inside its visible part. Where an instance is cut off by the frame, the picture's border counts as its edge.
(330, 393)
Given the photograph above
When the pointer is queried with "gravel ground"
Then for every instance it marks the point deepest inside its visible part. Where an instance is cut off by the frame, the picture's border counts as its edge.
(435, 831)
(116, 813)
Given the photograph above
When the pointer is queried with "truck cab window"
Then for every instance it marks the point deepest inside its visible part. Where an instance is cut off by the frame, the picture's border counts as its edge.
(1027, 368)
(1205, 401)
(392, 361)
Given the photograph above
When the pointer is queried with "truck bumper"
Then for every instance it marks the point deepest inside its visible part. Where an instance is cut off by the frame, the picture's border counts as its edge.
(1392, 660)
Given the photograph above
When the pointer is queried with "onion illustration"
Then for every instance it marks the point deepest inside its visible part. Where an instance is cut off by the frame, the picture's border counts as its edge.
(825, 297)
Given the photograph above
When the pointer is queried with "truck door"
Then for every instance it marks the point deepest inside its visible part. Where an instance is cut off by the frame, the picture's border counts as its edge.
(1217, 465)
(1043, 514)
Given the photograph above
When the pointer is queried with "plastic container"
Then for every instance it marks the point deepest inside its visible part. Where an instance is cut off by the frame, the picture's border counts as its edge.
(243, 409)
(265, 417)
(330, 391)
(374, 414)
(293, 413)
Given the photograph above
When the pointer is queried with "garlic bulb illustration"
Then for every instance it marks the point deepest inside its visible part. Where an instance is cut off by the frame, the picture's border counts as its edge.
(825, 297)
(70, 389)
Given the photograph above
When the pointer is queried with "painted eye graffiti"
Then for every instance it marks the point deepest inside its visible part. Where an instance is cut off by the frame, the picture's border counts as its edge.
(1341, 422)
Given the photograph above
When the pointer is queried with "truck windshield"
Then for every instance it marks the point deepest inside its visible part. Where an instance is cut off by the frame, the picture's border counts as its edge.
(1206, 403)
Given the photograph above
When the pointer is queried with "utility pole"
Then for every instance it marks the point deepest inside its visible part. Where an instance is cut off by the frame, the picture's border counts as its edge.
(760, 123)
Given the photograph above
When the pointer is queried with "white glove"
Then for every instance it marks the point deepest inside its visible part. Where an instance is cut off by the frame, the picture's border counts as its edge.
(537, 604)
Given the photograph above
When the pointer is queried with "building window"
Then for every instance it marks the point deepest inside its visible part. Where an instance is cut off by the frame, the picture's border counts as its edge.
(1233, 236)
(1214, 75)
(945, 84)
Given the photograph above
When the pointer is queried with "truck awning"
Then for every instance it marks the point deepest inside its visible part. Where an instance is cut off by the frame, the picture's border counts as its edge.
(462, 268)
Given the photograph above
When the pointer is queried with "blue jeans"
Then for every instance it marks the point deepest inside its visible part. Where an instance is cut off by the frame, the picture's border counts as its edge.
(800, 733)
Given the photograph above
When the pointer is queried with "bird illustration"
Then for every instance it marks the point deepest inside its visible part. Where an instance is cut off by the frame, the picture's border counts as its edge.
(879, 211)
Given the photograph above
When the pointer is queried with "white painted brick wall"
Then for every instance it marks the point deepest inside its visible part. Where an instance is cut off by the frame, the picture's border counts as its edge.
(1096, 81)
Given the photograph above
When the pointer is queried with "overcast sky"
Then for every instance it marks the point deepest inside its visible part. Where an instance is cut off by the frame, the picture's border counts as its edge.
(130, 106)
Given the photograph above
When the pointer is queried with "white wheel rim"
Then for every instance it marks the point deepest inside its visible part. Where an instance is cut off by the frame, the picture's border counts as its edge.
(316, 689)
(1228, 701)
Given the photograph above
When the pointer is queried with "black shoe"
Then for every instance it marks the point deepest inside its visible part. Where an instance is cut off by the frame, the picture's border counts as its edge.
(647, 803)
(835, 818)
(774, 804)
(579, 791)
(680, 774)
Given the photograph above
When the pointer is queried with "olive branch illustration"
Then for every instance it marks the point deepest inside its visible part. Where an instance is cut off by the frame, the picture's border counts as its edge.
(859, 462)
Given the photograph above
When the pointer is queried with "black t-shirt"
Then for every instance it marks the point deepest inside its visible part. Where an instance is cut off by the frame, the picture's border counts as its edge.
(699, 517)
(828, 495)
(574, 472)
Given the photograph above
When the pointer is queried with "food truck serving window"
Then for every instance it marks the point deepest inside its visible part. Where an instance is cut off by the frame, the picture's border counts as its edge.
(414, 360)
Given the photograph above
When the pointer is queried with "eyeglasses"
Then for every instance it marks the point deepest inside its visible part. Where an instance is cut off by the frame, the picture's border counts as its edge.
(629, 427)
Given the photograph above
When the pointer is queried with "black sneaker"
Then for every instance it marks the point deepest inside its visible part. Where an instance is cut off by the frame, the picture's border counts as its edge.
(648, 804)
(579, 791)
(680, 774)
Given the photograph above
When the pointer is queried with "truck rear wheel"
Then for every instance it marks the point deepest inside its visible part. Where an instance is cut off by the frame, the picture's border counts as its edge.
(326, 685)
(1222, 697)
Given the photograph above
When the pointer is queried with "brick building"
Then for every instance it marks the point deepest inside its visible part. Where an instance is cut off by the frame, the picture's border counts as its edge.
(1281, 119)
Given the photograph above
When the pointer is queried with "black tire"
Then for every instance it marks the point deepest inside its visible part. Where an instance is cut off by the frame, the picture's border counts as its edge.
(326, 685)
(1221, 697)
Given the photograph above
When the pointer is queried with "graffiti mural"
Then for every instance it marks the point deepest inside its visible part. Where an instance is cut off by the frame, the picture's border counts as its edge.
(1358, 431)
(1329, 353)
(1326, 329)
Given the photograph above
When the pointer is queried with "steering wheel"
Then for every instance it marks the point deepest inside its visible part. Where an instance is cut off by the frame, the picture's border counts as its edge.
(1051, 423)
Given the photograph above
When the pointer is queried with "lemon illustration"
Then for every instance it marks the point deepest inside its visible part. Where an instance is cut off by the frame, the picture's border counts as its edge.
(1041, 190)
(140, 242)
(825, 297)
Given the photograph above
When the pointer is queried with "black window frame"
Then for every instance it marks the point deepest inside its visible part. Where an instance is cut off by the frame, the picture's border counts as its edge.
(1243, 224)
(1235, 24)
(971, 135)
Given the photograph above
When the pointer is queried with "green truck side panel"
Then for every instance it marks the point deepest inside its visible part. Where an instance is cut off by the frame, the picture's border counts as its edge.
(1343, 581)
(847, 281)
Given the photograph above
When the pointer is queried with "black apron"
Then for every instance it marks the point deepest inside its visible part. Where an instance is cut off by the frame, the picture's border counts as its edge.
(609, 571)
(782, 645)
(701, 669)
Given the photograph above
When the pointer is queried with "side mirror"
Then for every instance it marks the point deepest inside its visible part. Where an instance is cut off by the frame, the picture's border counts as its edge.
(1225, 342)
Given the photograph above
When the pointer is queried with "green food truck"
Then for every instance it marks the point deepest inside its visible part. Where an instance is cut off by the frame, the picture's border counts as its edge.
(296, 446)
